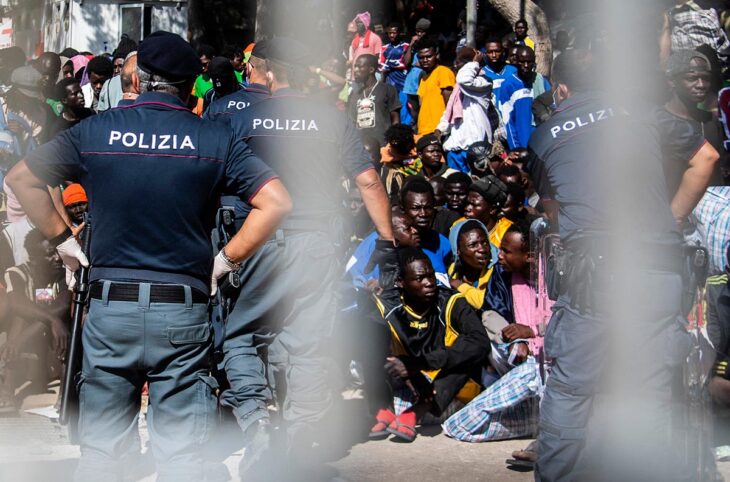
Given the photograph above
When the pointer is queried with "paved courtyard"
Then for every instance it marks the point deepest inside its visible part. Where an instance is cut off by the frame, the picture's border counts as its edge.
(36, 449)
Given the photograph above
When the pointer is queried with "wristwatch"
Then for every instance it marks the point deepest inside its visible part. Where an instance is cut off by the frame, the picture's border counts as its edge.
(228, 260)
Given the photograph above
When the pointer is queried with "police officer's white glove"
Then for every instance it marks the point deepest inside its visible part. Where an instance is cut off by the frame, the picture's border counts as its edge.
(73, 257)
(70, 279)
(222, 265)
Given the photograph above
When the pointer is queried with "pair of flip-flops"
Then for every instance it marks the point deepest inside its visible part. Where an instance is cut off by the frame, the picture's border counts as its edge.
(401, 427)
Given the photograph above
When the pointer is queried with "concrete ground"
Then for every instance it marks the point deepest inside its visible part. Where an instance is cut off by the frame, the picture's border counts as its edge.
(36, 449)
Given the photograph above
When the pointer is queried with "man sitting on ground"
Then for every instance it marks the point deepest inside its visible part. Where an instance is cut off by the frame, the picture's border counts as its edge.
(431, 153)
(407, 236)
(399, 159)
(75, 202)
(417, 203)
(508, 407)
(484, 202)
(438, 347)
(35, 316)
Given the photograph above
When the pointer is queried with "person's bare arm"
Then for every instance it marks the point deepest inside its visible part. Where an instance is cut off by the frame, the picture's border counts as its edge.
(376, 202)
(331, 76)
(57, 198)
(694, 181)
(395, 117)
(33, 195)
(447, 94)
(408, 55)
(270, 206)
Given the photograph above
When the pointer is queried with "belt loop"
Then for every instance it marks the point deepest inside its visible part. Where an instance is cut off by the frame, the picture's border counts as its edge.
(105, 292)
(144, 296)
(188, 297)
(280, 237)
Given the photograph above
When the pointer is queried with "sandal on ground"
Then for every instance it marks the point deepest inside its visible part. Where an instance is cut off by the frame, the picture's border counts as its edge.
(383, 419)
(403, 428)
(528, 454)
(524, 458)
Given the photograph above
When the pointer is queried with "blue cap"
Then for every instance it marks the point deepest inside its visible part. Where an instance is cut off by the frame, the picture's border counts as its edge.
(168, 55)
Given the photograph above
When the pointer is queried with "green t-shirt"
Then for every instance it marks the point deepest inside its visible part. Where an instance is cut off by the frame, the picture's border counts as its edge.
(56, 105)
(203, 84)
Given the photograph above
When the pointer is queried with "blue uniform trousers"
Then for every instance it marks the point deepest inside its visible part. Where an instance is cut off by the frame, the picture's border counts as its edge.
(128, 343)
(606, 413)
(287, 293)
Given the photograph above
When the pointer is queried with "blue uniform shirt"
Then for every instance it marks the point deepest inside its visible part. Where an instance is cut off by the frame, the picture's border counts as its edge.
(571, 162)
(227, 106)
(310, 146)
(153, 172)
(222, 110)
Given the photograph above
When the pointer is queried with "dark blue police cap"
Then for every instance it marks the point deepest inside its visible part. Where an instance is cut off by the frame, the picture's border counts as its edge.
(283, 49)
(259, 49)
(168, 55)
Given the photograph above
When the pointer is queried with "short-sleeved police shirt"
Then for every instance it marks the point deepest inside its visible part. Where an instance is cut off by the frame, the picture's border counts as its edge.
(308, 145)
(222, 110)
(240, 100)
(153, 172)
(602, 164)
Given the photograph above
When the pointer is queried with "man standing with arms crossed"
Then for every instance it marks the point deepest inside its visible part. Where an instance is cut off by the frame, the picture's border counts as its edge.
(151, 275)
(288, 287)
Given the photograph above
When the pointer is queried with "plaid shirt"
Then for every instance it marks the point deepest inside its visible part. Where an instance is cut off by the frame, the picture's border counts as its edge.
(691, 26)
(507, 409)
(712, 218)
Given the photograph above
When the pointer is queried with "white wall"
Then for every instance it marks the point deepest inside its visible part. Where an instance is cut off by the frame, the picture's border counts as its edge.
(168, 17)
(97, 21)
(93, 23)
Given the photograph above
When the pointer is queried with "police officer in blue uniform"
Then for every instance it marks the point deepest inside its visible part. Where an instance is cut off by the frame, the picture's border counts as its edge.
(153, 172)
(289, 285)
(620, 289)
(253, 92)
(233, 104)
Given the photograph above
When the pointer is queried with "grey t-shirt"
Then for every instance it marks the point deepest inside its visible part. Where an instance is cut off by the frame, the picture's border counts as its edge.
(111, 94)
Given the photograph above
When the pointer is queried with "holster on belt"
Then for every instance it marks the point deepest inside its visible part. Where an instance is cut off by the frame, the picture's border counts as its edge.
(576, 263)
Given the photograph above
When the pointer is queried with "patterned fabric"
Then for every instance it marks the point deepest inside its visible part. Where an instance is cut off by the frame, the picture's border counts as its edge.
(507, 409)
(691, 26)
(712, 218)
(403, 397)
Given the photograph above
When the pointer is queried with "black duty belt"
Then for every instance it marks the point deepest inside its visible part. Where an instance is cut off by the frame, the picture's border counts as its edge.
(158, 293)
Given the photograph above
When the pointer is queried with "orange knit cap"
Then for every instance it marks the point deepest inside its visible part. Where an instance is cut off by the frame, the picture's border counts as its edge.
(73, 194)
